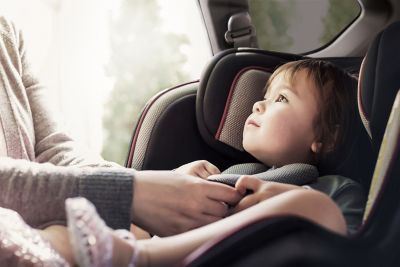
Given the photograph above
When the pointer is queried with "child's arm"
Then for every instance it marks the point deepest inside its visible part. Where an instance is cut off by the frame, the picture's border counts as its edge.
(259, 190)
(199, 168)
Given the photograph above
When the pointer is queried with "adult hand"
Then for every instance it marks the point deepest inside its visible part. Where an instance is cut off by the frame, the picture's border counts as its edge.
(167, 203)
(260, 190)
(199, 168)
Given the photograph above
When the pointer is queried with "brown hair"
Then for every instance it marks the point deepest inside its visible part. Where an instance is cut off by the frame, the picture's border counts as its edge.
(337, 94)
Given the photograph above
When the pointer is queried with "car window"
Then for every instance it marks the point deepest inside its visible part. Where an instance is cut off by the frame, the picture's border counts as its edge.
(102, 60)
(154, 45)
(300, 26)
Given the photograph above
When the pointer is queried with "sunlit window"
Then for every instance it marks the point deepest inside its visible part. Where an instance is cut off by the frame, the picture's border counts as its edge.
(101, 60)
(300, 26)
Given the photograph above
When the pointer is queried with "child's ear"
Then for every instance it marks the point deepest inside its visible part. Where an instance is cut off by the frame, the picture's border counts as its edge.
(316, 147)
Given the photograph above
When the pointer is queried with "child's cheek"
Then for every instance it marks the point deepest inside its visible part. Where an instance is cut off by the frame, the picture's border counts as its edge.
(280, 124)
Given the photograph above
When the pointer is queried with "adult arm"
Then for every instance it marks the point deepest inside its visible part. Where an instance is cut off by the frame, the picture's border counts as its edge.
(35, 190)
(164, 203)
(38, 191)
(160, 199)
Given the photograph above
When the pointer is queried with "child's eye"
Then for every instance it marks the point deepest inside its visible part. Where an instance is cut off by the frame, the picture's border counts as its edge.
(281, 98)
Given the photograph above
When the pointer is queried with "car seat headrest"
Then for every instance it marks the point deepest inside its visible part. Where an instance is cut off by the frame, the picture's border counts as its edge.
(379, 82)
(232, 82)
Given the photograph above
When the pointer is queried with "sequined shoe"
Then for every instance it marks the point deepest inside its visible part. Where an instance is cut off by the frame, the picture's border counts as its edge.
(21, 245)
(91, 239)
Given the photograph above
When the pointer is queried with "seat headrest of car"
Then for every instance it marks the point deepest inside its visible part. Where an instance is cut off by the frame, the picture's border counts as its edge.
(231, 83)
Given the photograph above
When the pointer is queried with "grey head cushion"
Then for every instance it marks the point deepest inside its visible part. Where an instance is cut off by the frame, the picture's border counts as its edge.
(296, 173)
(232, 82)
(247, 90)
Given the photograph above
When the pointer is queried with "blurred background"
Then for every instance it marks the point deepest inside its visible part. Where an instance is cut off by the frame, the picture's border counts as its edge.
(101, 60)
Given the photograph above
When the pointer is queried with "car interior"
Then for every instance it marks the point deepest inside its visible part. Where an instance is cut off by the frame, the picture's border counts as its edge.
(204, 119)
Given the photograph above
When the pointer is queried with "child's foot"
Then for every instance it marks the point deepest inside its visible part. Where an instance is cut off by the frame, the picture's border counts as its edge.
(93, 243)
(21, 245)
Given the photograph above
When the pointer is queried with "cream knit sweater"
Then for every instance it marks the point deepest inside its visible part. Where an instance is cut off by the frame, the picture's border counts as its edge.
(44, 166)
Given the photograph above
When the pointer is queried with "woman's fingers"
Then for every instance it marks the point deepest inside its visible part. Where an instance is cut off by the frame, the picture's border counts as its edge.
(222, 193)
(199, 168)
(205, 169)
(207, 219)
(211, 168)
(201, 172)
(248, 183)
(245, 203)
(215, 208)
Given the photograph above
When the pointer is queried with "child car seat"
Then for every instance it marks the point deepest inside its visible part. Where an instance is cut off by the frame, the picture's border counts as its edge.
(204, 120)
(167, 134)
(183, 124)
(295, 242)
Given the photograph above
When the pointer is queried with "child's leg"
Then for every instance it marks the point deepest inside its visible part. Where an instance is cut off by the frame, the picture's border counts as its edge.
(309, 204)
(58, 236)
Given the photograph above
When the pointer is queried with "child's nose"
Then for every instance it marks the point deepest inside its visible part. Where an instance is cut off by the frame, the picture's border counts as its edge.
(258, 107)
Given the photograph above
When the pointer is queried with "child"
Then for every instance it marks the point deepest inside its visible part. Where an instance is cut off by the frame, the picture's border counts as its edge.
(301, 119)
(304, 117)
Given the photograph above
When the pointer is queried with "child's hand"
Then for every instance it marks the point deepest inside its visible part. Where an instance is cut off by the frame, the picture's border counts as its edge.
(260, 190)
(199, 168)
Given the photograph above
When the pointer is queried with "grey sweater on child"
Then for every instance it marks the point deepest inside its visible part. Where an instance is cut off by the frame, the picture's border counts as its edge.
(44, 166)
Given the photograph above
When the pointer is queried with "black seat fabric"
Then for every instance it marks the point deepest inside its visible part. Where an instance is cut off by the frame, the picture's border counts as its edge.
(166, 135)
(159, 130)
(379, 81)
(295, 242)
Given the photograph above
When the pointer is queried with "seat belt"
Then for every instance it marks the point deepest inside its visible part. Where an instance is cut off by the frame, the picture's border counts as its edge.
(241, 32)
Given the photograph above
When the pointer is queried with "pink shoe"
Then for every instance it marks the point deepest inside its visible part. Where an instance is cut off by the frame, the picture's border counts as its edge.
(21, 245)
(91, 239)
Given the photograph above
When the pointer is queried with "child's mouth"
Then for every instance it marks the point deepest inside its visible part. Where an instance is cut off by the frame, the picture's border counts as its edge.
(253, 123)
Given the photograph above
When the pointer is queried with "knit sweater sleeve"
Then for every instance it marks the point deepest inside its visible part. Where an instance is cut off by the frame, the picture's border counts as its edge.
(38, 189)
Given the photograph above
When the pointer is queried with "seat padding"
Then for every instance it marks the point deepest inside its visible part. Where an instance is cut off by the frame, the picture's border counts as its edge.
(296, 173)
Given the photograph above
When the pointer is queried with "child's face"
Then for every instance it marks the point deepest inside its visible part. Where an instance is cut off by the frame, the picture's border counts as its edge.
(280, 130)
